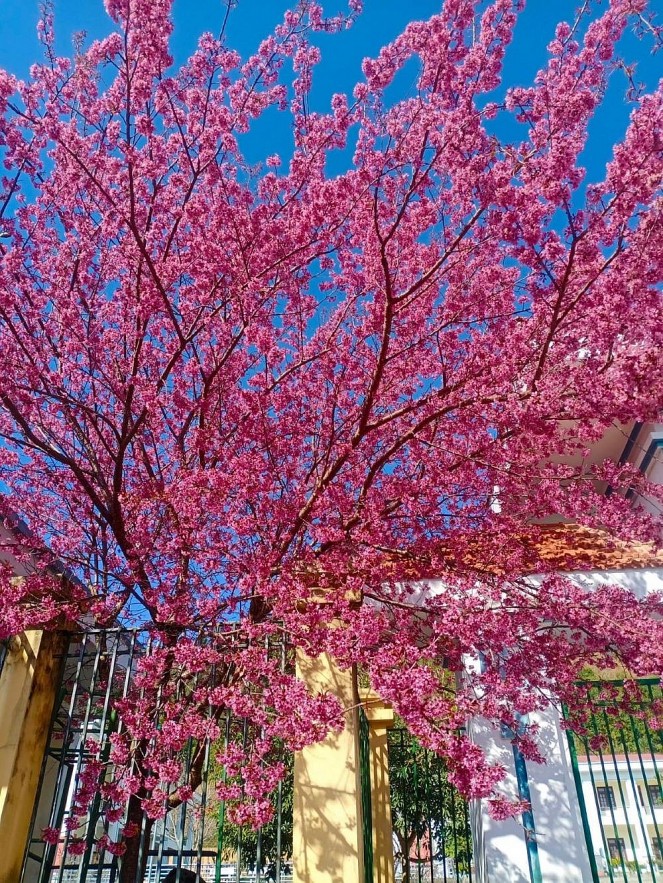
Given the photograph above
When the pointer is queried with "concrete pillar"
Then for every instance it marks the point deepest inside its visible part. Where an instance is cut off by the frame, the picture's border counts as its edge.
(28, 687)
(327, 825)
(380, 719)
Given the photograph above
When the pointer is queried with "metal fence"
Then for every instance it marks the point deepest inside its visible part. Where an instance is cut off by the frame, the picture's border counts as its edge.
(432, 837)
(617, 761)
(365, 786)
(432, 841)
(98, 669)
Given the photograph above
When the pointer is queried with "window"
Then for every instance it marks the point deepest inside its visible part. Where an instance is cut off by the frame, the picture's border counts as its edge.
(606, 798)
(657, 846)
(616, 847)
(655, 794)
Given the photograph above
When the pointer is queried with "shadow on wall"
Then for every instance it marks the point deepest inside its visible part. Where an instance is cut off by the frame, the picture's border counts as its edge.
(500, 845)
(502, 870)
(560, 836)
(327, 843)
(640, 582)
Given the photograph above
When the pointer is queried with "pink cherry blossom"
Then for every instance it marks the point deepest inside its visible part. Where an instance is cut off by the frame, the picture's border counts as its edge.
(248, 404)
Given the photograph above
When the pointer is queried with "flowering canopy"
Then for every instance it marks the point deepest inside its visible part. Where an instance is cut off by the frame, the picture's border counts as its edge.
(239, 401)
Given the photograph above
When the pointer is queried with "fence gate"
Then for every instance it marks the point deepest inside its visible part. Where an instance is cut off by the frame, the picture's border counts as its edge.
(98, 669)
(432, 837)
(618, 769)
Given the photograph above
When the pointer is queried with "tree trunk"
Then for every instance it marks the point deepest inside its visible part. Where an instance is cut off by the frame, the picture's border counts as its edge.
(404, 844)
(132, 864)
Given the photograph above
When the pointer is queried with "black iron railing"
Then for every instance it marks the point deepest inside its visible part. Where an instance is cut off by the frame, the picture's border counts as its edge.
(99, 668)
(617, 760)
(432, 836)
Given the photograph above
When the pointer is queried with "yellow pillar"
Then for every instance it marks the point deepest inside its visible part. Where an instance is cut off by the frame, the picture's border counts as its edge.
(28, 685)
(380, 719)
(327, 825)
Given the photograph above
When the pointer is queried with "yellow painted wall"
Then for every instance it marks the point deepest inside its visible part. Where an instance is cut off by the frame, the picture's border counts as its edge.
(327, 831)
(28, 685)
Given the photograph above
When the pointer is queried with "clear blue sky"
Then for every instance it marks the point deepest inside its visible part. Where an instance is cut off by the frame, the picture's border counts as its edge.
(342, 53)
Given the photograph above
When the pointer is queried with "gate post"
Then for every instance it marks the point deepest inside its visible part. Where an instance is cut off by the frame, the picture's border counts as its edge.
(28, 686)
(381, 719)
(327, 844)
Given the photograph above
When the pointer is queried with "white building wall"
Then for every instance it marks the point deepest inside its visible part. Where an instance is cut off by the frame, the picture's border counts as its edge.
(563, 854)
(632, 811)
(560, 839)
(499, 847)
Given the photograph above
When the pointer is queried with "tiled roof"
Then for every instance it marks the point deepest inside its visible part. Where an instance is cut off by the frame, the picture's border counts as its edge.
(562, 547)
(546, 547)
(572, 547)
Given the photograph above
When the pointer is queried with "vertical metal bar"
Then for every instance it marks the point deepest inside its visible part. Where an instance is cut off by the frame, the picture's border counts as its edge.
(442, 799)
(571, 737)
(527, 816)
(429, 822)
(151, 840)
(147, 830)
(468, 839)
(62, 782)
(103, 753)
(182, 808)
(621, 794)
(222, 815)
(610, 804)
(135, 648)
(259, 856)
(279, 826)
(114, 870)
(365, 794)
(406, 827)
(146, 839)
(245, 739)
(655, 768)
(417, 817)
(130, 662)
(104, 756)
(638, 806)
(203, 798)
(420, 818)
(279, 792)
(159, 842)
(452, 793)
(81, 749)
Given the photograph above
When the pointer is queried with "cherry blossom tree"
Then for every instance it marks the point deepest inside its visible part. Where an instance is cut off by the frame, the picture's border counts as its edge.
(242, 402)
